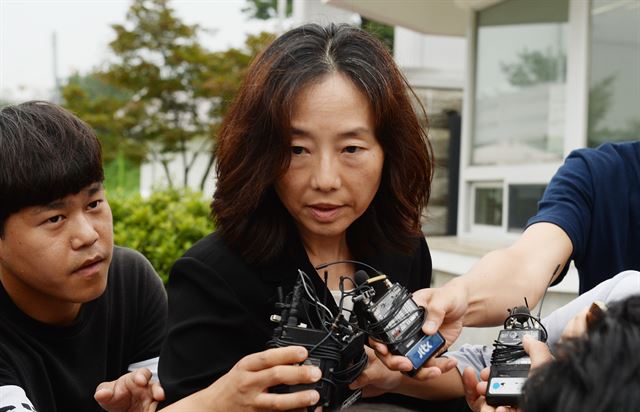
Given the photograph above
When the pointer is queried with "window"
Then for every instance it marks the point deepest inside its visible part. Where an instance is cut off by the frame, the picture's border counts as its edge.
(614, 76)
(520, 83)
(523, 204)
(488, 206)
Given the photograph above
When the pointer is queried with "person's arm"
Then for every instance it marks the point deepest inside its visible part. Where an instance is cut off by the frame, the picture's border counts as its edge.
(246, 386)
(499, 281)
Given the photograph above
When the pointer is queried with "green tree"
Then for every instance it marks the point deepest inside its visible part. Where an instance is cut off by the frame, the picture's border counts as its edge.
(97, 102)
(225, 73)
(163, 95)
(160, 61)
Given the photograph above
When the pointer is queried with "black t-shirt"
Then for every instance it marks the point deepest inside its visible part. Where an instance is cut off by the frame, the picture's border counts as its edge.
(219, 306)
(59, 367)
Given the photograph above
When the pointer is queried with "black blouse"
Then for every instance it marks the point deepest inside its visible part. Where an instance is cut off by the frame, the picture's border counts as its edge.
(219, 306)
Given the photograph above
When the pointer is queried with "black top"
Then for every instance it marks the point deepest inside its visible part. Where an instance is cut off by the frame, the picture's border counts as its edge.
(219, 306)
(59, 368)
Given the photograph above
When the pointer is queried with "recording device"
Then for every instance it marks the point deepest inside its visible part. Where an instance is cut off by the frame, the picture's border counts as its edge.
(388, 314)
(334, 346)
(510, 364)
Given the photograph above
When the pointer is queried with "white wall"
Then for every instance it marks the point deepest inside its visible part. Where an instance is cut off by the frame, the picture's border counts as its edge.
(430, 61)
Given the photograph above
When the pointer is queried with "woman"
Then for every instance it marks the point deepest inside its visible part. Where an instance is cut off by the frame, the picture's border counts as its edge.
(321, 158)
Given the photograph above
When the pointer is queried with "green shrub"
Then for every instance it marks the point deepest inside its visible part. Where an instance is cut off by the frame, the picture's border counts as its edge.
(161, 227)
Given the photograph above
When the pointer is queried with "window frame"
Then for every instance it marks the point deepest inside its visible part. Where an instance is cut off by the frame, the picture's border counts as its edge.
(575, 128)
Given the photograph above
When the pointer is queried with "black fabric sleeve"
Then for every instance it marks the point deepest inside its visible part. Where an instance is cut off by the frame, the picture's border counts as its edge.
(7, 373)
(209, 329)
(145, 293)
(153, 321)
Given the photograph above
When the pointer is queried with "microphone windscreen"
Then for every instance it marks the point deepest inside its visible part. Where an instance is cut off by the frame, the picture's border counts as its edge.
(360, 277)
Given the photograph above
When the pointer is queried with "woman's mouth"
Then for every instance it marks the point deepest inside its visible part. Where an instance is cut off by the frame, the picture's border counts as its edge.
(324, 213)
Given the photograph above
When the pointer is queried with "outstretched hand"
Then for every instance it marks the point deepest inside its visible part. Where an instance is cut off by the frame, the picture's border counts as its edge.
(133, 392)
(445, 309)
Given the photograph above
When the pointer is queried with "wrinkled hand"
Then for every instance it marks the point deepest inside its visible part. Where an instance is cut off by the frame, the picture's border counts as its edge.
(133, 392)
(245, 386)
(445, 309)
(433, 368)
(475, 391)
(376, 378)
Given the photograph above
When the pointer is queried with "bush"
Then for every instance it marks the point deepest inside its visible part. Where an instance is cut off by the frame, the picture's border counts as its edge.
(161, 227)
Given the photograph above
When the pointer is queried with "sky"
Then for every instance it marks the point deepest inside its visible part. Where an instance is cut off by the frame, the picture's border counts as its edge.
(83, 31)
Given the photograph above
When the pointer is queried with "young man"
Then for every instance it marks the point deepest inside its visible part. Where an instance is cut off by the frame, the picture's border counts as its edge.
(75, 311)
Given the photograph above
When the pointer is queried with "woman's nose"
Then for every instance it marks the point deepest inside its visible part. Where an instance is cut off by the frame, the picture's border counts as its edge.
(326, 174)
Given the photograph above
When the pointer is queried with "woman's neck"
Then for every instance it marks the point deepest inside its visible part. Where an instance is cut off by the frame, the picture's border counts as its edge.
(327, 250)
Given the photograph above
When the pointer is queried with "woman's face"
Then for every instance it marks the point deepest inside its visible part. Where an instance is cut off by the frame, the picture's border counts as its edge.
(336, 160)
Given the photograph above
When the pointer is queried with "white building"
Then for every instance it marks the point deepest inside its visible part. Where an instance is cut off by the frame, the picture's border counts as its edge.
(541, 78)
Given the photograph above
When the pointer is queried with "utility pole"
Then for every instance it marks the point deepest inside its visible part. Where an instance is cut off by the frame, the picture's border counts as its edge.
(282, 15)
(56, 98)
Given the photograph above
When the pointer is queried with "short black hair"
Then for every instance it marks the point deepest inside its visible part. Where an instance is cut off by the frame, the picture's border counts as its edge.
(598, 372)
(46, 153)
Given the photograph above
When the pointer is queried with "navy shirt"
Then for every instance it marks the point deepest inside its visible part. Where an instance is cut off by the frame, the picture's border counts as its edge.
(595, 198)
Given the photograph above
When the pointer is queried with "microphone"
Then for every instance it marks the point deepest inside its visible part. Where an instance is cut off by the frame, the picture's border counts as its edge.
(387, 313)
(360, 277)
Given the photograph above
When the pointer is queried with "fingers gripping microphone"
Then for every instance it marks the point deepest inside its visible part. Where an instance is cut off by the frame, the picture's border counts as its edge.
(334, 347)
(387, 313)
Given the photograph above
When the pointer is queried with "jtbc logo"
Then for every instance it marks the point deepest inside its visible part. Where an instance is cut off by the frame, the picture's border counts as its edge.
(424, 349)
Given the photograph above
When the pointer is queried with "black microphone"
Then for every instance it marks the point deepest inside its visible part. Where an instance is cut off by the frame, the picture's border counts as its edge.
(387, 313)
(360, 277)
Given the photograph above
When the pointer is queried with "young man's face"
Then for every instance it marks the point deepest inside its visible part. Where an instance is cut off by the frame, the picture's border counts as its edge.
(55, 257)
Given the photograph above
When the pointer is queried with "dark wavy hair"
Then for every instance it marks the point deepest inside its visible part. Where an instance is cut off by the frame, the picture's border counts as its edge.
(599, 372)
(46, 153)
(253, 148)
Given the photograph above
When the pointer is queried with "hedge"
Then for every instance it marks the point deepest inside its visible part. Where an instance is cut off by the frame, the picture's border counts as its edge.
(161, 227)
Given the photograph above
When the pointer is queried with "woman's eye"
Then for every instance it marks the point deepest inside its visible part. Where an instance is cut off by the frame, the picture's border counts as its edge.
(351, 149)
(297, 150)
